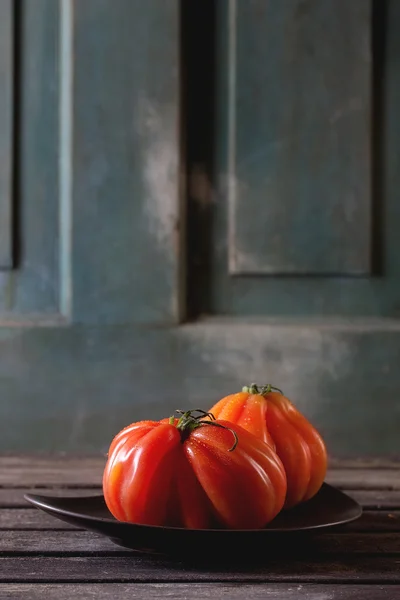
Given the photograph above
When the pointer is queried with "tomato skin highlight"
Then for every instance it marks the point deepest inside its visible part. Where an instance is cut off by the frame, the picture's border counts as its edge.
(156, 476)
(247, 410)
(296, 441)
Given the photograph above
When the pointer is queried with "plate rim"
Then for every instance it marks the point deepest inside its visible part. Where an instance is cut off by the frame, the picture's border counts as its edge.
(43, 502)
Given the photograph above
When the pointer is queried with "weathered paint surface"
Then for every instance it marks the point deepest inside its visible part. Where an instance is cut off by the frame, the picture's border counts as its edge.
(325, 294)
(72, 389)
(106, 283)
(125, 162)
(32, 287)
(299, 121)
(6, 129)
(97, 191)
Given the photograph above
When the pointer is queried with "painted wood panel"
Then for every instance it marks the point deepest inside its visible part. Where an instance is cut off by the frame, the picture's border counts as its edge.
(98, 215)
(71, 389)
(126, 148)
(326, 296)
(6, 130)
(299, 129)
(30, 292)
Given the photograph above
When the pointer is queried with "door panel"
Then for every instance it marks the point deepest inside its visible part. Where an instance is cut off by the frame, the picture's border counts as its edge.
(373, 291)
(299, 135)
(126, 177)
(97, 198)
(30, 291)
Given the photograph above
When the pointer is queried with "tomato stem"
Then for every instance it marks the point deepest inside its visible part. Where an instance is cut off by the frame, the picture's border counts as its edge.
(188, 422)
(263, 390)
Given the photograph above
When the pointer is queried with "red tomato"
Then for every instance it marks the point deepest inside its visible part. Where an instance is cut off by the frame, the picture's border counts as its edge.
(269, 415)
(193, 473)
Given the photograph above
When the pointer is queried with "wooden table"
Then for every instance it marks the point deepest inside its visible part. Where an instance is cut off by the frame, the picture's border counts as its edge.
(42, 557)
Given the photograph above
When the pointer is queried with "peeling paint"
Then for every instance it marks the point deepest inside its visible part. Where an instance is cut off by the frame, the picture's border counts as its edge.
(158, 126)
(235, 189)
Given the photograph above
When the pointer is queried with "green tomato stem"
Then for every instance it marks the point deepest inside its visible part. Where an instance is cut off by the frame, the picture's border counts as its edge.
(263, 390)
(188, 423)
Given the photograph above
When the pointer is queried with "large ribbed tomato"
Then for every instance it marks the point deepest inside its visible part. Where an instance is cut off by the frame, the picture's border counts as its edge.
(268, 414)
(195, 473)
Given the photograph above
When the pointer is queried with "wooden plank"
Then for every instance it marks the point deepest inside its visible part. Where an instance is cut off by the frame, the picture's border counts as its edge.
(47, 471)
(286, 297)
(126, 205)
(202, 591)
(284, 159)
(62, 460)
(58, 542)
(120, 569)
(14, 497)
(86, 543)
(320, 366)
(368, 462)
(371, 522)
(336, 465)
(376, 500)
(30, 518)
(87, 471)
(365, 479)
(6, 131)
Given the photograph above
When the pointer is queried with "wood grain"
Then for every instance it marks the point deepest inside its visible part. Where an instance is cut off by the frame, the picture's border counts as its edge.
(33, 519)
(30, 519)
(380, 500)
(38, 553)
(87, 471)
(133, 568)
(62, 470)
(365, 479)
(376, 500)
(14, 497)
(202, 591)
(87, 543)
(374, 521)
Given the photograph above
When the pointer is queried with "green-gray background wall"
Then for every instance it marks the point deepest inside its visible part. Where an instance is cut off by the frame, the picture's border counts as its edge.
(194, 196)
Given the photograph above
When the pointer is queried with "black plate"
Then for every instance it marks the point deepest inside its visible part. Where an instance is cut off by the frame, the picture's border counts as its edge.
(329, 508)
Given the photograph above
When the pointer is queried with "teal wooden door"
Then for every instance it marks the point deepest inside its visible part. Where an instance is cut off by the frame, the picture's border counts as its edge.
(203, 195)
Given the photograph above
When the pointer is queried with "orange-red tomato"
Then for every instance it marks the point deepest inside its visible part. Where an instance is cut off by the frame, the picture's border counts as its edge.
(186, 473)
(268, 414)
